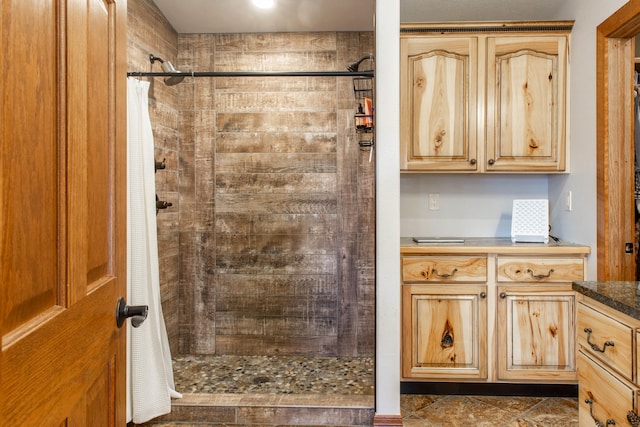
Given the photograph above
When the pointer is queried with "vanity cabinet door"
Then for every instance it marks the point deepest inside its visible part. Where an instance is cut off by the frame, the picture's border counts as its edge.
(438, 103)
(526, 124)
(444, 332)
(536, 332)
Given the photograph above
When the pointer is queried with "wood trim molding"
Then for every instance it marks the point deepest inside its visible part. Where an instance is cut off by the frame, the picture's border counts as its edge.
(485, 27)
(615, 148)
(381, 420)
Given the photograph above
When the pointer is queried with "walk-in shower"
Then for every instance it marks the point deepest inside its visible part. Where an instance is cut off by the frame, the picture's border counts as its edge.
(270, 239)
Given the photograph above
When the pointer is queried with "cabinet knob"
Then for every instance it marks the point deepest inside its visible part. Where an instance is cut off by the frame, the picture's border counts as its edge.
(594, 346)
(472, 161)
(503, 295)
(491, 161)
(483, 295)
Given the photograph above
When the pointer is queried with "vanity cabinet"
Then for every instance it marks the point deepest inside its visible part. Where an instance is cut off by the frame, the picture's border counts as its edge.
(446, 327)
(607, 370)
(484, 97)
(536, 313)
(446, 316)
(490, 311)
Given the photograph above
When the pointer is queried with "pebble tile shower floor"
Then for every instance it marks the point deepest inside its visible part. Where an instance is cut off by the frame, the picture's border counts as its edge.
(273, 374)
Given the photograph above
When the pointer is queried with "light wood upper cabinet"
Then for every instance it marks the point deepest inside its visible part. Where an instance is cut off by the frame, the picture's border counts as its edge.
(484, 97)
(439, 92)
(526, 90)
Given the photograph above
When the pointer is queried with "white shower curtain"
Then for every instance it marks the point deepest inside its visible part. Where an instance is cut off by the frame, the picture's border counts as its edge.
(150, 383)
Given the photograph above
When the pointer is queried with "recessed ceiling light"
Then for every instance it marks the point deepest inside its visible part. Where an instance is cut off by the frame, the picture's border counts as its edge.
(264, 4)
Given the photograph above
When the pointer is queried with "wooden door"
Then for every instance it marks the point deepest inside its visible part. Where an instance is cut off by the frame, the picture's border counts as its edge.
(536, 327)
(617, 246)
(63, 212)
(438, 101)
(526, 85)
(444, 331)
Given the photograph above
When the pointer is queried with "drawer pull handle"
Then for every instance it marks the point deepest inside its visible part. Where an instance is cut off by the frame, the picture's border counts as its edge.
(597, 421)
(444, 276)
(540, 276)
(633, 419)
(595, 346)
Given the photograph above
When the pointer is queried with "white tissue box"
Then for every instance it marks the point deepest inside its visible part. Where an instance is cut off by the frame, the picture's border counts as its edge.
(530, 221)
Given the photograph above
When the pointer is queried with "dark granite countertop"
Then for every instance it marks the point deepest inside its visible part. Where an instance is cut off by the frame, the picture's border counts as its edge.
(621, 296)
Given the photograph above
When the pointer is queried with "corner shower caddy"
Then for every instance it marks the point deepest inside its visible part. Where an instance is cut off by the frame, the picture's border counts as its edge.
(364, 118)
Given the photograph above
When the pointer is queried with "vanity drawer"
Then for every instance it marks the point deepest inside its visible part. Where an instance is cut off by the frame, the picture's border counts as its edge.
(601, 395)
(540, 270)
(597, 329)
(420, 269)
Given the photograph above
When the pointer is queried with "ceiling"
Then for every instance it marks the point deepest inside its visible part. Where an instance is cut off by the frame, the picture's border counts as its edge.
(240, 16)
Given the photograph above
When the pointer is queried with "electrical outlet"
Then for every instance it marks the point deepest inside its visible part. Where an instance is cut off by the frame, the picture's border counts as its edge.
(568, 203)
(434, 201)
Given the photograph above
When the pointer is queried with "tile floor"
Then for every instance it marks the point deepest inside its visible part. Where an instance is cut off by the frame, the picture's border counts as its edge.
(489, 411)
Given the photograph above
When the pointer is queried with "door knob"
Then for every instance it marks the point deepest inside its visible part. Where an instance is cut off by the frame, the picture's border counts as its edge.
(137, 313)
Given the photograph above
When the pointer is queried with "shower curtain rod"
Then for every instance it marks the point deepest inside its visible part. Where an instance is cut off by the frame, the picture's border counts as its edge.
(368, 73)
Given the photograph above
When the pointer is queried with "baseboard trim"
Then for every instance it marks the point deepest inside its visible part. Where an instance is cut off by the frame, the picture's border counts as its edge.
(380, 420)
(490, 389)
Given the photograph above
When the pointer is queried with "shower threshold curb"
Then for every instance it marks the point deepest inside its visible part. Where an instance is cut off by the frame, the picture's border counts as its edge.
(272, 410)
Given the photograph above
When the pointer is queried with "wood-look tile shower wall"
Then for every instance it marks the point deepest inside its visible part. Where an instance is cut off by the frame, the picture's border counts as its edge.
(276, 199)
(149, 32)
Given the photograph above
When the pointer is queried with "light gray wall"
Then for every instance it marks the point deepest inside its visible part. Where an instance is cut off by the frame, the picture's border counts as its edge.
(470, 205)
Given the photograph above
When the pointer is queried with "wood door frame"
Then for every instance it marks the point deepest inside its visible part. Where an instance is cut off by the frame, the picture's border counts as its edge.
(614, 149)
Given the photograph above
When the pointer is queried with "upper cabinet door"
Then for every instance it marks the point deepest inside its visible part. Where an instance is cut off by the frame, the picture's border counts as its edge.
(525, 104)
(439, 94)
